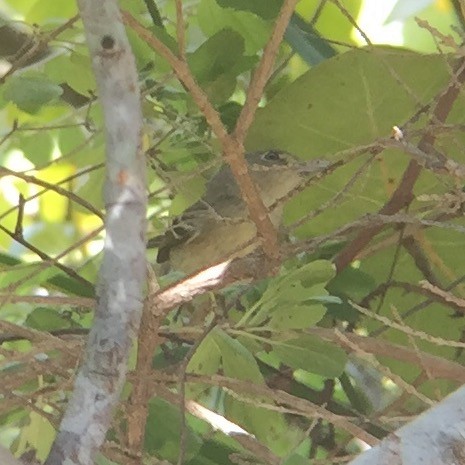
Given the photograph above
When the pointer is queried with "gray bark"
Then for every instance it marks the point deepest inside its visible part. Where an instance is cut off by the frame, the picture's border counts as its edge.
(436, 437)
(122, 275)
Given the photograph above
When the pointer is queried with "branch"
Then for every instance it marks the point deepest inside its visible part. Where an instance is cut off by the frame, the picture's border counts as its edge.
(248, 268)
(52, 187)
(439, 367)
(48, 259)
(49, 300)
(293, 404)
(434, 437)
(147, 343)
(122, 275)
(261, 75)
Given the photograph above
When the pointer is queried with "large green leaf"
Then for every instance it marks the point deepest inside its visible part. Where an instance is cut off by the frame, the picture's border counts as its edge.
(345, 102)
(348, 100)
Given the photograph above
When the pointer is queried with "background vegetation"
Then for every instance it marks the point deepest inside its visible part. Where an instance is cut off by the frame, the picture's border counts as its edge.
(362, 328)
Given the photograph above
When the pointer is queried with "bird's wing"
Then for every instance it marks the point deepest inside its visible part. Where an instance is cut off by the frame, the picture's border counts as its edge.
(183, 229)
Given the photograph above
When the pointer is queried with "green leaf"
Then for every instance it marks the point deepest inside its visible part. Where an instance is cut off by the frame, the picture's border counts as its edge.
(229, 113)
(37, 146)
(298, 288)
(267, 9)
(31, 91)
(214, 452)
(8, 260)
(315, 115)
(316, 272)
(220, 89)
(311, 354)
(190, 190)
(164, 441)
(51, 277)
(46, 319)
(353, 283)
(210, 61)
(61, 281)
(207, 358)
(216, 70)
(297, 317)
(38, 434)
(75, 70)
(332, 22)
(237, 361)
(254, 30)
(266, 425)
(144, 53)
(48, 11)
(295, 459)
(307, 42)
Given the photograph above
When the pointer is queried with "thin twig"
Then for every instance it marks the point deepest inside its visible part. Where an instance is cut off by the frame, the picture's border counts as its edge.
(263, 72)
(46, 189)
(180, 30)
(182, 387)
(69, 271)
(53, 187)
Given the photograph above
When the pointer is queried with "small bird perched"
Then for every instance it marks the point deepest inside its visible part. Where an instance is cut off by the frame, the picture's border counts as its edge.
(217, 227)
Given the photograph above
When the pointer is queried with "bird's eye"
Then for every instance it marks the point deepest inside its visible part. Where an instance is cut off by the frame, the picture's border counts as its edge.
(272, 155)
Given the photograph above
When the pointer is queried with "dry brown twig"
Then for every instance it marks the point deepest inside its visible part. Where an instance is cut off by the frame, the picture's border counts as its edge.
(180, 30)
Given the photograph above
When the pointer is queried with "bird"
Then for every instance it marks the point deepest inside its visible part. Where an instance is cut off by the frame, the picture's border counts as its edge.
(217, 227)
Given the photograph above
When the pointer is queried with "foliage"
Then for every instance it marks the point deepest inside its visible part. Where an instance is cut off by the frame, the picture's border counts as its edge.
(268, 361)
